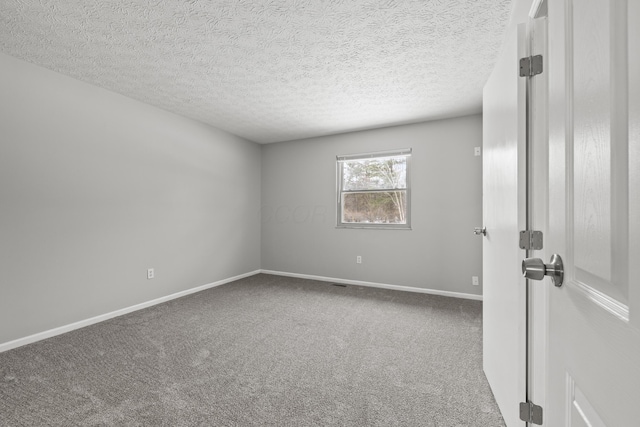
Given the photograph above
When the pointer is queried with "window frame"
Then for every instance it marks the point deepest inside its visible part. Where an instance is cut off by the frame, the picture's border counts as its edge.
(407, 153)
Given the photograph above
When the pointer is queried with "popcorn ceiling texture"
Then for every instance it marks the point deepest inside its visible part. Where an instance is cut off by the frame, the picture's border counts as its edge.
(271, 70)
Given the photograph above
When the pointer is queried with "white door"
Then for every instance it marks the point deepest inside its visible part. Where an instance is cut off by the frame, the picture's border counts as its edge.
(594, 213)
(504, 308)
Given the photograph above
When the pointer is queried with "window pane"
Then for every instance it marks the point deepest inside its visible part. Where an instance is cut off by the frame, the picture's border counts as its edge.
(374, 174)
(380, 207)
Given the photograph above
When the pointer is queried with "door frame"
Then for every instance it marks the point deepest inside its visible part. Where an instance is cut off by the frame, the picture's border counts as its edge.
(537, 170)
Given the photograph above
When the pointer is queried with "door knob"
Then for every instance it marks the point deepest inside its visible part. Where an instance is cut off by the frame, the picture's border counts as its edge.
(480, 230)
(536, 269)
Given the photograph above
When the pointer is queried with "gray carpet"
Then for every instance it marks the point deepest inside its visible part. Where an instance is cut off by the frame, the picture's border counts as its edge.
(261, 351)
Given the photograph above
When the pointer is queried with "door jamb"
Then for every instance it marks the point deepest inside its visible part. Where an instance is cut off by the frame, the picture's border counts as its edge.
(536, 201)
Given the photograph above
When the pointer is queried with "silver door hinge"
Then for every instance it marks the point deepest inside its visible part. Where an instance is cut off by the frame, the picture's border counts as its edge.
(531, 240)
(531, 413)
(530, 66)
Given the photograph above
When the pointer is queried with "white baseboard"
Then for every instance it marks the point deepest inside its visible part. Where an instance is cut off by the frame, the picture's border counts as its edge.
(376, 285)
(82, 323)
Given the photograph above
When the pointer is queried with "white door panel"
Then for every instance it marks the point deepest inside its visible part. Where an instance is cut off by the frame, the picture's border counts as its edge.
(593, 213)
(581, 412)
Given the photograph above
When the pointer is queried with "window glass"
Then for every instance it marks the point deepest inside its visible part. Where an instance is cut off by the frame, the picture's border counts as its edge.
(374, 190)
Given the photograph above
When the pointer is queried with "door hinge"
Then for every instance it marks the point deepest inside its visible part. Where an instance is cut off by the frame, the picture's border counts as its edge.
(531, 413)
(531, 240)
(530, 66)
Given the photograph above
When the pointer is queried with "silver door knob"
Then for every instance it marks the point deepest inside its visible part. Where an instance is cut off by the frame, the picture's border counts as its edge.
(480, 230)
(536, 269)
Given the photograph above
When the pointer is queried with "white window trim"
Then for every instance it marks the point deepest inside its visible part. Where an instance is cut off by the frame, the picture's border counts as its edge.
(339, 159)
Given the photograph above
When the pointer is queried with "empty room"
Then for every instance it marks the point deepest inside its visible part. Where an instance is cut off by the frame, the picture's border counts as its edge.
(319, 213)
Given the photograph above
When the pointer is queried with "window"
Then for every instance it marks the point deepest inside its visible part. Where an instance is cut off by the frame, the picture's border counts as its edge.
(373, 190)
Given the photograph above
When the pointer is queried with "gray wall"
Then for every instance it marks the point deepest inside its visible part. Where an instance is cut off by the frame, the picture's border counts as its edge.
(96, 187)
(440, 252)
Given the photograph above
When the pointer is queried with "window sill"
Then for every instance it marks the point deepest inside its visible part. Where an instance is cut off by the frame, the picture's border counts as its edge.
(375, 227)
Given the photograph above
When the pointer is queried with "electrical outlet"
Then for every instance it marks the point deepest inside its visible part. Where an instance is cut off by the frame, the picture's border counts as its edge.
(151, 273)
(358, 259)
(475, 281)
(476, 151)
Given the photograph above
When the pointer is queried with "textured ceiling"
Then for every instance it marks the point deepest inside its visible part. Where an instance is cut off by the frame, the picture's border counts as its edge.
(271, 70)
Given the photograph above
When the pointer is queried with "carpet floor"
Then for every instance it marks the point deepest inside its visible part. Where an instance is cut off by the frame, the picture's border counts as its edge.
(261, 351)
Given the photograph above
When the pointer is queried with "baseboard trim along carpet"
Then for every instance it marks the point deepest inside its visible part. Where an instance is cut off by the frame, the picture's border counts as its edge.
(376, 285)
(82, 323)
